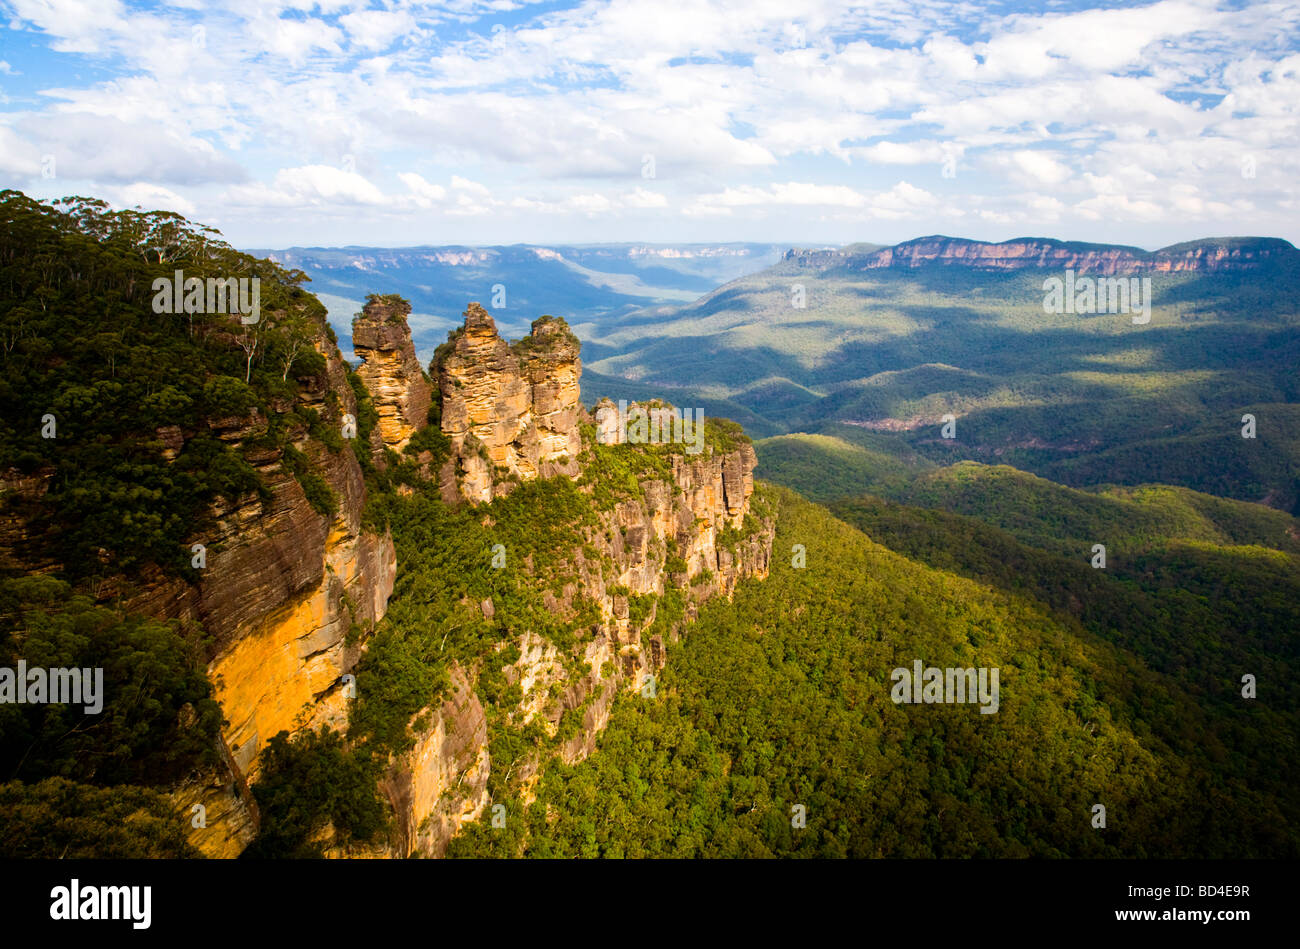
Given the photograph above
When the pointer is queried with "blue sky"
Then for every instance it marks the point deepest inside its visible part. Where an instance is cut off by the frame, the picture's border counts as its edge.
(683, 120)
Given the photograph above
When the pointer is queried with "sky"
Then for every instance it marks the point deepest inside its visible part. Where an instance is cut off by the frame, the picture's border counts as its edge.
(288, 122)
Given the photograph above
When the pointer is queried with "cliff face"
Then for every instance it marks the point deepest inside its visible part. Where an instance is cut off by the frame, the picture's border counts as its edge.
(511, 412)
(282, 587)
(688, 514)
(397, 385)
(1208, 256)
(633, 542)
(442, 782)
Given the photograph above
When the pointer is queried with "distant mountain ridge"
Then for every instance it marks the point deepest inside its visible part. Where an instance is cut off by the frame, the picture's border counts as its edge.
(876, 345)
(582, 283)
(1208, 255)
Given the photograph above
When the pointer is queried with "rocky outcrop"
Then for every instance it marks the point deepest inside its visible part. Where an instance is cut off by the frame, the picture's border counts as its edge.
(442, 781)
(21, 496)
(511, 412)
(219, 810)
(1213, 255)
(398, 388)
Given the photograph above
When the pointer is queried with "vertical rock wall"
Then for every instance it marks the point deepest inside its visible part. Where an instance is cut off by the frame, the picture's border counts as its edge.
(511, 412)
(397, 385)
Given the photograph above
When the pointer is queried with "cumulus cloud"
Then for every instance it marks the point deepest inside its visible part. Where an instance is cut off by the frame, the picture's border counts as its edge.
(378, 29)
(900, 200)
(150, 197)
(310, 186)
(110, 150)
(19, 158)
(1037, 167)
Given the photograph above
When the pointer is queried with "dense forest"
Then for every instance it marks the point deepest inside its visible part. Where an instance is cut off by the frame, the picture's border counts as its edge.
(92, 379)
(781, 698)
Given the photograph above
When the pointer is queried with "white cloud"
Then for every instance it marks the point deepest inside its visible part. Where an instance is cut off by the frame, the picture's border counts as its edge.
(1147, 111)
(18, 157)
(899, 201)
(426, 194)
(909, 153)
(1037, 167)
(150, 197)
(641, 198)
(377, 29)
(310, 186)
(111, 150)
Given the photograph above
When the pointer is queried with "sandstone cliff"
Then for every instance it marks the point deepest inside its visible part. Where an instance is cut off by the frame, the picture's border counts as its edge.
(674, 542)
(442, 782)
(290, 585)
(673, 539)
(282, 587)
(686, 530)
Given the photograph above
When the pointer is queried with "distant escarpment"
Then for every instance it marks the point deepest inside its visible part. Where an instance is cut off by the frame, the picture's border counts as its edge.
(1211, 255)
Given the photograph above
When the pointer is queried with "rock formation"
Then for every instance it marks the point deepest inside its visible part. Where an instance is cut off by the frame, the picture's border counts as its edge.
(397, 385)
(671, 539)
(690, 530)
(511, 412)
(285, 585)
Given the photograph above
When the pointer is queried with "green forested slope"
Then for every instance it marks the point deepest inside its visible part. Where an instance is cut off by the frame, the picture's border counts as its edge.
(782, 698)
(1052, 516)
(1193, 584)
(1201, 614)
